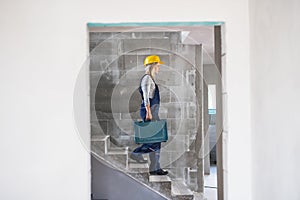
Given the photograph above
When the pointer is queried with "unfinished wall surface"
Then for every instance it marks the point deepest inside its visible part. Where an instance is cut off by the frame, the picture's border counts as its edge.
(275, 47)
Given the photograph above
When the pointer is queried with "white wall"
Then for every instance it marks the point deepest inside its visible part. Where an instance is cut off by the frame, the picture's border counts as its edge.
(275, 95)
(43, 46)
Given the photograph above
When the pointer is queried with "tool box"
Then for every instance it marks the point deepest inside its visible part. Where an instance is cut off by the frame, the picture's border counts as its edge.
(150, 131)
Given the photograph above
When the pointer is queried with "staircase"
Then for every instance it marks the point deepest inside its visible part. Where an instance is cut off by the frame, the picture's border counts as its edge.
(116, 61)
(167, 186)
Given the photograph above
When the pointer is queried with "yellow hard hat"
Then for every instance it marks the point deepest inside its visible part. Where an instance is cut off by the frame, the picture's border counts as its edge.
(152, 59)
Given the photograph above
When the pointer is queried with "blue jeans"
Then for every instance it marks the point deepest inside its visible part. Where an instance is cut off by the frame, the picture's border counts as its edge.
(154, 153)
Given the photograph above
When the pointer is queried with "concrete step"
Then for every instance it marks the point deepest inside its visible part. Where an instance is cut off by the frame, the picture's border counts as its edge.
(135, 167)
(118, 157)
(97, 138)
(159, 179)
(138, 168)
(138, 165)
(100, 144)
(180, 191)
(145, 156)
(199, 196)
(118, 151)
(162, 184)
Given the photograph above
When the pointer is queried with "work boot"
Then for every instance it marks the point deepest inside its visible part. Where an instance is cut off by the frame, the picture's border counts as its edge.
(159, 172)
(138, 158)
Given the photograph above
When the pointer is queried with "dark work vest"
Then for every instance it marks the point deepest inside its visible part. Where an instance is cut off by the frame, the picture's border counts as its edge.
(154, 102)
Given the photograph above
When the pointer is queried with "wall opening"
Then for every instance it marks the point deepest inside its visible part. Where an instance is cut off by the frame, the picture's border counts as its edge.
(190, 82)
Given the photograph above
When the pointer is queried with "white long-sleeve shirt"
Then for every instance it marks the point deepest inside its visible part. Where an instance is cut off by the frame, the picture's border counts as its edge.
(148, 88)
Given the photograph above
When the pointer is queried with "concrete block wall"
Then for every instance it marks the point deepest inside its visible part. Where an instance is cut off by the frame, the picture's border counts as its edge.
(116, 66)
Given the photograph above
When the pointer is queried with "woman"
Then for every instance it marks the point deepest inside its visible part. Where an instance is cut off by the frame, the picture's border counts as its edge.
(149, 111)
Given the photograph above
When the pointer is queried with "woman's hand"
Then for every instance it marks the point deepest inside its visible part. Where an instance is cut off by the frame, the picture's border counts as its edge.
(148, 116)
(148, 113)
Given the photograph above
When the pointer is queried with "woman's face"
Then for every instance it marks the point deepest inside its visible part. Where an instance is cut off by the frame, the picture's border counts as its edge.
(156, 68)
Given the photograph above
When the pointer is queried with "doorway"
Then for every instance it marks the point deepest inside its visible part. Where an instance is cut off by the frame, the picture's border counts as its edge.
(192, 70)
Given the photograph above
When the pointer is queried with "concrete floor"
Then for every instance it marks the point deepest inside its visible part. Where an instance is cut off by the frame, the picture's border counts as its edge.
(210, 184)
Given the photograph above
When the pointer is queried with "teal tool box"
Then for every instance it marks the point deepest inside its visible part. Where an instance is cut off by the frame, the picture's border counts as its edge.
(150, 131)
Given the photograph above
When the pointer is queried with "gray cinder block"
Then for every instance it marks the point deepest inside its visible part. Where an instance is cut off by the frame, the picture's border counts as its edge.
(130, 45)
(170, 78)
(103, 62)
(106, 47)
(99, 127)
(163, 44)
(180, 62)
(130, 61)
